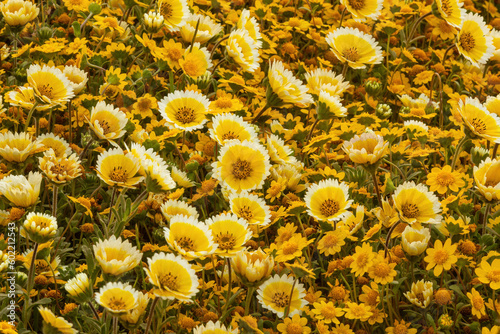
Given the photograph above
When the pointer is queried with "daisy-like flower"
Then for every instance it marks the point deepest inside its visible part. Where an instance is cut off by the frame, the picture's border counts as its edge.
(17, 147)
(118, 169)
(274, 295)
(418, 106)
(175, 13)
(368, 148)
(278, 151)
(441, 257)
(56, 143)
(416, 204)
(133, 316)
(250, 25)
(229, 126)
(362, 257)
(252, 267)
(296, 324)
(421, 293)
(327, 312)
(207, 28)
(39, 227)
(54, 324)
(357, 311)
(180, 177)
(442, 179)
(242, 165)
(487, 178)
(60, 170)
(328, 200)
(174, 207)
(229, 232)
(196, 61)
(244, 50)
(415, 241)
(172, 276)
(79, 288)
(489, 273)
(117, 298)
(153, 21)
(329, 106)
(400, 328)
(332, 241)
(21, 191)
(479, 120)
(250, 207)
(451, 11)
(77, 77)
(107, 122)
(288, 88)
(24, 97)
(354, 47)
(116, 256)
(324, 79)
(214, 328)
(474, 41)
(189, 237)
(18, 12)
(381, 271)
(154, 168)
(363, 9)
(416, 127)
(477, 303)
(185, 110)
(50, 85)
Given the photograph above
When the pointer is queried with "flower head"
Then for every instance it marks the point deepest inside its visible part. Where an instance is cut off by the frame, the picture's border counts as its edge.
(368, 148)
(207, 28)
(21, 191)
(40, 227)
(118, 169)
(416, 204)
(50, 85)
(185, 110)
(107, 122)
(79, 288)
(420, 294)
(252, 267)
(441, 257)
(414, 240)
(363, 9)
(117, 298)
(479, 120)
(54, 324)
(474, 41)
(487, 178)
(17, 147)
(288, 88)
(328, 200)
(230, 233)
(18, 12)
(174, 12)
(116, 256)
(244, 50)
(274, 295)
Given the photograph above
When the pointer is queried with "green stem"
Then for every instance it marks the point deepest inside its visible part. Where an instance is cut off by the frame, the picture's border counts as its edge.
(287, 310)
(248, 300)
(229, 286)
(485, 218)
(151, 314)
(55, 191)
(30, 115)
(388, 238)
(457, 152)
(375, 185)
(31, 274)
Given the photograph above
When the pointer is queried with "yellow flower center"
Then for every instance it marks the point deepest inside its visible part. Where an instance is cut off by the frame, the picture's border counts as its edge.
(351, 54)
(144, 105)
(329, 208)
(242, 169)
(245, 213)
(493, 276)
(328, 312)
(491, 183)
(468, 247)
(42, 222)
(184, 115)
(479, 125)
(229, 135)
(445, 7)
(281, 299)
(294, 22)
(117, 304)
(467, 41)
(477, 302)
(357, 4)
(294, 328)
(223, 103)
(338, 293)
(290, 247)
(225, 240)
(118, 174)
(174, 53)
(185, 243)
(400, 329)
(441, 256)
(382, 269)
(330, 240)
(445, 179)
(46, 90)
(410, 210)
(169, 281)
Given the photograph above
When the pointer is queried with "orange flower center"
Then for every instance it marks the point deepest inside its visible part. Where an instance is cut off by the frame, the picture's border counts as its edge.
(351, 54)
(331, 240)
(290, 247)
(168, 281)
(357, 4)
(117, 304)
(245, 213)
(45, 90)
(445, 7)
(445, 179)
(478, 124)
(410, 210)
(494, 276)
(185, 243)
(229, 135)
(225, 240)
(441, 256)
(184, 115)
(400, 329)
(329, 208)
(477, 302)
(382, 269)
(328, 312)
(294, 328)
(118, 174)
(223, 103)
(467, 41)
(242, 169)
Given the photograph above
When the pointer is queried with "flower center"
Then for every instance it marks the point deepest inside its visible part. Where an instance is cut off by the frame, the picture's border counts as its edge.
(467, 41)
(329, 208)
(242, 169)
(168, 281)
(420, 297)
(105, 127)
(294, 328)
(338, 293)
(166, 10)
(290, 247)
(441, 256)
(328, 312)
(229, 135)
(357, 4)
(226, 241)
(118, 174)
(400, 329)
(223, 103)
(410, 210)
(281, 299)
(445, 7)
(117, 304)
(185, 115)
(478, 125)
(478, 302)
(245, 213)
(330, 240)
(46, 90)
(174, 54)
(382, 269)
(185, 243)
(351, 54)
(494, 276)
(144, 105)
(57, 169)
(445, 179)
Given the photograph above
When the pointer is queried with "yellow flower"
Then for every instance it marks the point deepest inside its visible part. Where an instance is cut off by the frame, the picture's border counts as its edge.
(250, 25)
(243, 49)
(56, 143)
(39, 227)
(442, 179)
(288, 88)
(487, 178)
(274, 295)
(180, 177)
(17, 147)
(225, 103)
(207, 28)
(172, 276)
(54, 324)
(328, 200)
(107, 122)
(420, 294)
(278, 151)
(489, 273)
(414, 241)
(252, 267)
(229, 232)
(118, 169)
(229, 126)
(479, 120)
(174, 207)
(214, 328)
(333, 241)
(381, 271)
(132, 316)
(18, 12)
(357, 311)
(294, 325)
(441, 257)
(116, 256)
(363, 9)
(250, 207)
(474, 41)
(50, 85)
(354, 47)
(24, 97)
(416, 204)
(189, 237)
(324, 79)
(362, 259)
(7, 328)
(60, 169)
(242, 165)
(185, 110)
(153, 21)
(196, 61)
(368, 148)
(401, 328)
(79, 288)
(21, 191)
(77, 78)
(327, 312)
(292, 248)
(175, 13)
(477, 303)
(451, 11)
(328, 103)
(117, 298)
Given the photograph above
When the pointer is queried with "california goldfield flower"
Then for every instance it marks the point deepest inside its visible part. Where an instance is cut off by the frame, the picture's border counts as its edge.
(230, 233)
(116, 256)
(39, 227)
(444, 179)
(276, 295)
(21, 191)
(172, 277)
(328, 200)
(118, 169)
(17, 147)
(416, 204)
(477, 303)
(196, 61)
(18, 12)
(489, 273)
(368, 148)
(50, 85)
(354, 47)
(184, 110)
(473, 40)
(54, 324)
(117, 298)
(486, 176)
(441, 257)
